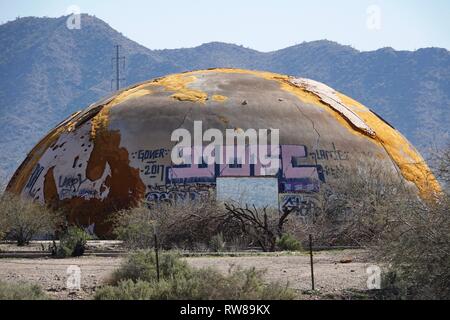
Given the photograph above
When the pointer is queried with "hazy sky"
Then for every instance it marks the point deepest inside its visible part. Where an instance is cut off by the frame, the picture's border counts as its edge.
(264, 25)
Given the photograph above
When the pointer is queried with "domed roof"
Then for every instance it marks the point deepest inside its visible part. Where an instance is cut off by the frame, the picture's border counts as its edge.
(117, 152)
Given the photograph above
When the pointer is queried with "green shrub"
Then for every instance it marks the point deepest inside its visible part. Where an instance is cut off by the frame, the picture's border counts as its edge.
(288, 243)
(136, 280)
(141, 265)
(72, 243)
(135, 227)
(21, 291)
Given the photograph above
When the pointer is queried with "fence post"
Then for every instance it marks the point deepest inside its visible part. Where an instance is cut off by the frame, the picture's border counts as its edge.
(157, 257)
(311, 262)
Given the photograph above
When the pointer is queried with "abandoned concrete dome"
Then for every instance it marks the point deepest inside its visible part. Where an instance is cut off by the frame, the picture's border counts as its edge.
(117, 152)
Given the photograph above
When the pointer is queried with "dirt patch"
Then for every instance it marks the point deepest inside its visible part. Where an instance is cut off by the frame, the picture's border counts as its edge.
(332, 276)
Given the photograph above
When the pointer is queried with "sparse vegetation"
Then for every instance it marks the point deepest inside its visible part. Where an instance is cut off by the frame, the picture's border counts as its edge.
(408, 235)
(21, 291)
(136, 280)
(262, 226)
(21, 220)
(191, 225)
(200, 225)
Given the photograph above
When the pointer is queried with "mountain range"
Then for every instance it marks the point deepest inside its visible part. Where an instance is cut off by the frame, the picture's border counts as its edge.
(49, 71)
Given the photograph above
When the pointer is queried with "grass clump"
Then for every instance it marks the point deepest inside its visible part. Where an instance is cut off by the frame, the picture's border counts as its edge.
(21, 291)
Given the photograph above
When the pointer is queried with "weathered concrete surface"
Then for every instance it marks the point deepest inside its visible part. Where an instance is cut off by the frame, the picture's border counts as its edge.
(117, 152)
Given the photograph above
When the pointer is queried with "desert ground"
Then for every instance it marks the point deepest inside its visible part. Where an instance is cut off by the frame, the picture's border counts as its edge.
(336, 271)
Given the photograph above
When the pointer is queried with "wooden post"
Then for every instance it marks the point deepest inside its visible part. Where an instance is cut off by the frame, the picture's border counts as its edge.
(311, 262)
(157, 257)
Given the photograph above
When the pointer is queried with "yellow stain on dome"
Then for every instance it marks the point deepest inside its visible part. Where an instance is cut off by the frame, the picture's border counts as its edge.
(411, 164)
(179, 84)
(132, 93)
(219, 98)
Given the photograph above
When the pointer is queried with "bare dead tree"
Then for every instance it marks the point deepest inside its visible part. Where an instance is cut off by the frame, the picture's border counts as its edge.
(260, 224)
(179, 225)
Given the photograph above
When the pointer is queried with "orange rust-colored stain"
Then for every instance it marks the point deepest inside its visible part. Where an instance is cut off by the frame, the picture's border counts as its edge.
(50, 190)
(125, 185)
(126, 188)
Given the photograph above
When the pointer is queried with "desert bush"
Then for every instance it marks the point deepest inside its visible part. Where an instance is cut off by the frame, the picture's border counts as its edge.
(181, 282)
(288, 243)
(21, 291)
(21, 220)
(135, 227)
(415, 246)
(416, 251)
(72, 243)
(354, 207)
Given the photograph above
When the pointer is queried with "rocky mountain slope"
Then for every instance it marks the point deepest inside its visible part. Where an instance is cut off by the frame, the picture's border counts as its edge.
(48, 72)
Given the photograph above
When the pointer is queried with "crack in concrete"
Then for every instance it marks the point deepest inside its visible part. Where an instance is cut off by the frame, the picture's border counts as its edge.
(314, 128)
(313, 125)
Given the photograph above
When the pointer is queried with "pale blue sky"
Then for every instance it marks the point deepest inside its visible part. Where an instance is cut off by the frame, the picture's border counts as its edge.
(264, 25)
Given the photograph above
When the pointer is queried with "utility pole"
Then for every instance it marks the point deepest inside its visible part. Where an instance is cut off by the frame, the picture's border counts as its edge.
(116, 61)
